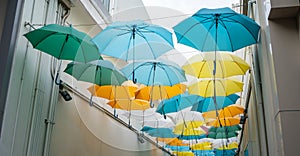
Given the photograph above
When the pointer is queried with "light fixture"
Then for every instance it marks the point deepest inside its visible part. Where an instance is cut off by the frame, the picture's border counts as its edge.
(64, 94)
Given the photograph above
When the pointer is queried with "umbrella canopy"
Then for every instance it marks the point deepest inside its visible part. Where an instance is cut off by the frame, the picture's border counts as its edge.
(191, 137)
(223, 152)
(229, 121)
(229, 111)
(134, 40)
(178, 148)
(113, 92)
(177, 103)
(233, 145)
(159, 132)
(187, 125)
(172, 141)
(202, 146)
(202, 65)
(221, 135)
(204, 152)
(159, 123)
(219, 29)
(183, 153)
(129, 104)
(159, 92)
(207, 104)
(155, 72)
(99, 72)
(64, 43)
(225, 129)
(224, 87)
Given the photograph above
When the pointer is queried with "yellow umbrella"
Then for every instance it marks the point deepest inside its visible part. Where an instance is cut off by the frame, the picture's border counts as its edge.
(202, 146)
(229, 121)
(193, 132)
(183, 153)
(187, 125)
(224, 87)
(202, 65)
(125, 91)
(159, 92)
(229, 146)
(129, 104)
(229, 111)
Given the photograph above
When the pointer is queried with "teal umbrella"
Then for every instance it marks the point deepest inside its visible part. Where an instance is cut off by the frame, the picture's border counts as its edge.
(221, 135)
(65, 43)
(225, 129)
(101, 72)
(159, 132)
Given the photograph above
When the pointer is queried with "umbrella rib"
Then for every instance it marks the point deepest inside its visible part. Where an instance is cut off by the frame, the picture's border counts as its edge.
(208, 31)
(128, 45)
(230, 40)
(144, 37)
(149, 31)
(171, 84)
(200, 70)
(85, 60)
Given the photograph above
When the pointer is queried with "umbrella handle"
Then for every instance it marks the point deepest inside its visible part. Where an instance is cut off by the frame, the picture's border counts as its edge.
(91, 101)
(57, 79)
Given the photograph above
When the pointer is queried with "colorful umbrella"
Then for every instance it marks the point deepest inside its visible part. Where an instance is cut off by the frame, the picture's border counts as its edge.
(134, 40)
(229, 152)
(178, 148)
(177, 103)
(99, 72)
(224, 87)
(229, 111)
(233, 145)
(219, 29)
(221, 135)
(202, 146)
(159, 92)
(172, 141)
(229, 121)
(129, 104)
(183, 153)
(225, 129)
(207, 104)
(153, 73)
(113, 92)
(201, 66)
(159, 132)
(64, 43)
(204, 152)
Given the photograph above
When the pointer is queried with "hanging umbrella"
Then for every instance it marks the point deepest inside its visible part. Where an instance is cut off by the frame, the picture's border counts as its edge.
(229, 111)
(219, 29)
(154, 72)
(172, 141)
(229, 152)
(159, 92)
(201, 66)
(111, 92)
(183, 153)
(229, 121)
(177, 103)
(202, 146)
(204, 152)
(65, 43)
(223, 87)
(207, 104)
(221, 135)
(191, 137)
(99, 72)
(187, 125)
(178, 148)
(134, 40)
(225, 129)
(159, 132)
(159, 123)
(233, 145)
(129, 104)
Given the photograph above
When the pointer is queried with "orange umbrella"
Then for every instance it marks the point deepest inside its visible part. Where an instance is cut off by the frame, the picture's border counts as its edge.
(129, 104)
(229, 111)
(159, 92)
(125, 91)
(172, 141)
(228, 121)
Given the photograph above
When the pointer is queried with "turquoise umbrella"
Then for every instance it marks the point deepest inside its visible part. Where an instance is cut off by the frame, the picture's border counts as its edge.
(225, 129)
(159, 132)
(99, 72)
(154, 72)
(222, 135)
(219, 29)
(177, 103)
(207, 104)
(134, 40)
(65, 43)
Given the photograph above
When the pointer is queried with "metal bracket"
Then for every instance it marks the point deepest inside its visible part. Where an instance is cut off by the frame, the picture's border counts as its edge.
(47, 121)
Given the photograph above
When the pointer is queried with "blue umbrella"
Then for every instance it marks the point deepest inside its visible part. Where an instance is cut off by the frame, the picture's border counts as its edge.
(207, 104)
(134, 40)
(178, 148)
(155, 73)
(219, 29)
(204, 152)
(177, 103)
(159, 132)
(230, 152)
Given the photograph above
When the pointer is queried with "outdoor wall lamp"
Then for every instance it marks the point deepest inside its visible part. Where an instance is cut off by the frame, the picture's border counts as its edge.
(64, 94)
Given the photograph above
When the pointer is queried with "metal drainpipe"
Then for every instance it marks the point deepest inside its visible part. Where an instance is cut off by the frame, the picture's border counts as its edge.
(53, 101)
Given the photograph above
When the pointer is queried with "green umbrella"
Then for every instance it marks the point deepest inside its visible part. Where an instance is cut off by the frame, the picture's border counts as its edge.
(100, 72)
(65, 43)
(221, 135)
(225, 129)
